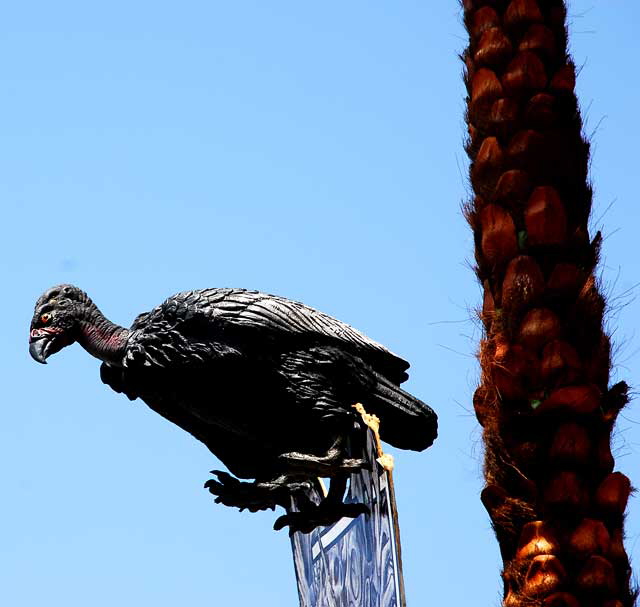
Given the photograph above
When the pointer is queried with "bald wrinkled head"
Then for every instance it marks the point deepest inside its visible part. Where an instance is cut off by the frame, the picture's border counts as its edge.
(54, 320)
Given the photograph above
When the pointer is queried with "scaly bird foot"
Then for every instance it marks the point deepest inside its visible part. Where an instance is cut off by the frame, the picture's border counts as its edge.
(254, 496)
(323, 514)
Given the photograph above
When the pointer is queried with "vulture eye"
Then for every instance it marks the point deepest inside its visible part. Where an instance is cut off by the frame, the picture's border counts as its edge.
(45, 318)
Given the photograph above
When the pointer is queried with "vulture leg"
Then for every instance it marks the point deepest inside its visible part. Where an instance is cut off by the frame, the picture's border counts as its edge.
(329, 511)
(329, 464)
(259, 495)
(335, 461)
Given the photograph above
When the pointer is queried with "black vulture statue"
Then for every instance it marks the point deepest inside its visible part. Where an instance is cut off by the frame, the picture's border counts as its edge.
(267, 384)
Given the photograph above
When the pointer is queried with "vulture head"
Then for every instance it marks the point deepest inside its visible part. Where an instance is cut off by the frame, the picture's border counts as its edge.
(55, 321)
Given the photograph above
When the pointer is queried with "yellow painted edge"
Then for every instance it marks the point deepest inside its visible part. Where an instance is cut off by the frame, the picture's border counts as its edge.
(373, 421)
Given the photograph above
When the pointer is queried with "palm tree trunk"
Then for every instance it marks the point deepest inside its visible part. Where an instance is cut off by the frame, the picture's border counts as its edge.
(544, 401)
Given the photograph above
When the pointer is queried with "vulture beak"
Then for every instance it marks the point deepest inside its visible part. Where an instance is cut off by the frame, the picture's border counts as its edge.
(44, 342)
(38, 349)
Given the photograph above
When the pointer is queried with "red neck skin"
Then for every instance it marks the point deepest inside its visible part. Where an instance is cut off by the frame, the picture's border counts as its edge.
(102, 338)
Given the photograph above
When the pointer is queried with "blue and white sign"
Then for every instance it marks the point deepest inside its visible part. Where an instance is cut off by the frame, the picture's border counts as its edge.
(355, 562)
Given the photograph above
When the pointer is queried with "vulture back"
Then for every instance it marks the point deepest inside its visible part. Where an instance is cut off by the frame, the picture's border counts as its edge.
(236, 315)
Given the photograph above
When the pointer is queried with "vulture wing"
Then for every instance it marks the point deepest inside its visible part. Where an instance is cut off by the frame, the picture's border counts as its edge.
(238, 320)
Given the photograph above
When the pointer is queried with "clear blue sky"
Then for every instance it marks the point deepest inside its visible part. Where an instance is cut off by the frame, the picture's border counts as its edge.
(309, 149)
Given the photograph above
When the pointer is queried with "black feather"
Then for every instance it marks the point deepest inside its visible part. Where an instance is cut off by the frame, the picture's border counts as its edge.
(253, 376)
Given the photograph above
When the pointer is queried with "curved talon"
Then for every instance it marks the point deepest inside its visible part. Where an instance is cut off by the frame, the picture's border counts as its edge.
(320, 515)
(225, 477)
(283, 521)
(254, 496)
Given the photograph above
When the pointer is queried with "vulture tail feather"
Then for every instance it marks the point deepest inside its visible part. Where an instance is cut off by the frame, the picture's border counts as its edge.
(405, 421)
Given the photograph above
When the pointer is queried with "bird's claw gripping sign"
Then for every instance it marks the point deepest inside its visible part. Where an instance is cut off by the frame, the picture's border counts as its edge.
(354, 562)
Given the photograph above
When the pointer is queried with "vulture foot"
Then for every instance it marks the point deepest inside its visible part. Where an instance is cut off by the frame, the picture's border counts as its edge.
(325, 513)
(329, 511)
(254, 496)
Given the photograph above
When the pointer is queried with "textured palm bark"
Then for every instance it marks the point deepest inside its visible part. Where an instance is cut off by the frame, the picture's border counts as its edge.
(544, 402)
